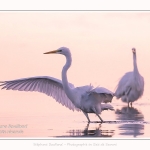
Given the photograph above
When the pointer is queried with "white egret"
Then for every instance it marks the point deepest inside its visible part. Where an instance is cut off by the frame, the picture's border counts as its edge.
(131, 86)
(85, 98)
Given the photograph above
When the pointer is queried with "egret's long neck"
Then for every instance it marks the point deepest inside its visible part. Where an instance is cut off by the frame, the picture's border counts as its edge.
(135, 64)
(64, 75)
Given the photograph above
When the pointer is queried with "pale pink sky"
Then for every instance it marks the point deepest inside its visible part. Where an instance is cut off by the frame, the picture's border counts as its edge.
(100, 43)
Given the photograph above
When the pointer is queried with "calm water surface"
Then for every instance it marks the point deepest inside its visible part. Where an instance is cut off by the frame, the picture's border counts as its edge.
(121, 123)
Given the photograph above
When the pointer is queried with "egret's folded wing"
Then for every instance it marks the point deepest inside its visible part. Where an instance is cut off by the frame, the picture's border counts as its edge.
(104, 93)
(50, 86)
(102, 90)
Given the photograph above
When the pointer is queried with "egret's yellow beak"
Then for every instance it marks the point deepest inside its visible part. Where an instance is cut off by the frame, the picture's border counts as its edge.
(51, 52)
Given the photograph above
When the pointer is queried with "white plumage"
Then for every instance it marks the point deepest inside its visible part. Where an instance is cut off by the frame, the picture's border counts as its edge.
(85, 98)
(131, 86)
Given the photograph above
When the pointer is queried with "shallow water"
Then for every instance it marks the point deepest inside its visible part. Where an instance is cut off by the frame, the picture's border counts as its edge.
(20, 118)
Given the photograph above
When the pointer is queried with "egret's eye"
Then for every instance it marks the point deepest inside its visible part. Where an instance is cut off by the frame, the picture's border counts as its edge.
(60, 50)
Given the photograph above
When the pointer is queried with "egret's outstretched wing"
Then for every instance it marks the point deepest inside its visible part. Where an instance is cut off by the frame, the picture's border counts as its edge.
(50, 86)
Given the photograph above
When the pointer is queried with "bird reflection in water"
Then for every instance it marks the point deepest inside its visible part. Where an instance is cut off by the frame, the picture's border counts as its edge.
(96, 132)
(130, 114)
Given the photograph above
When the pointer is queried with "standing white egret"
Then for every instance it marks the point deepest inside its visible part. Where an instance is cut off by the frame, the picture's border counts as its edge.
(131, 86)
(85, 98)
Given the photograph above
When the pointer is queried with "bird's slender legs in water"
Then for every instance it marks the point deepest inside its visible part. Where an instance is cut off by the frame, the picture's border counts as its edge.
(89, 119)
(128, 104)
(99, 117)
(127, 93)
(87, 126)
(131, 104)
(87, 116)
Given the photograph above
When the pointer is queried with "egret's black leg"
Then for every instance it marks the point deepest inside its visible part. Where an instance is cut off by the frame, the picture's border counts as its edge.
(87, 116)
(128, 104)
(131, 104)
(99, 117)
(87, 126)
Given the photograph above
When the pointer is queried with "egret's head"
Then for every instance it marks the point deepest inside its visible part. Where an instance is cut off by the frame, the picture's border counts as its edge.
(133, 50)
(62, 50)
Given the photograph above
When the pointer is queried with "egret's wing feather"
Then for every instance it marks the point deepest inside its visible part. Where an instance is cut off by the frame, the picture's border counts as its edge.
(98, 90)
(103, 93)
(50, 86)
(123, 85)
(106, 107)
(102, 90)
(142, 85)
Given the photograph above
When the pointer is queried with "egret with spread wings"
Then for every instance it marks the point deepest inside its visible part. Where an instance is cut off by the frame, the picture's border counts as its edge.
(85, 98)
(131, 86)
